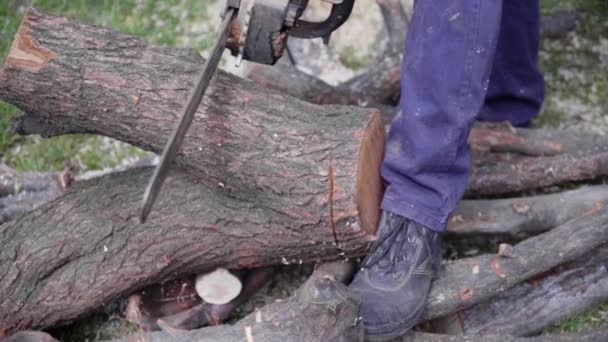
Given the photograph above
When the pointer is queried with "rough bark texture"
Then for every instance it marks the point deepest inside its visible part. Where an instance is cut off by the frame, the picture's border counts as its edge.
(522, 216)
(253, 141)
(507, 174)
(246, 141)
(535, 142)
(295, 82)
(473, 280)
(532, 306)
(87, 248)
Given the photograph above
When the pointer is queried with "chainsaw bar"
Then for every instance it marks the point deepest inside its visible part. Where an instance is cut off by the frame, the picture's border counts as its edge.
(179, 131)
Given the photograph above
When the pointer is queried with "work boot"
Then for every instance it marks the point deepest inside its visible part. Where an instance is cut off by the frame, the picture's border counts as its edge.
(395, 277)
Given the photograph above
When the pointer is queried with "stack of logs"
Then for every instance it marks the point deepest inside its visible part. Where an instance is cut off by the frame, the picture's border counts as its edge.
(268, 177)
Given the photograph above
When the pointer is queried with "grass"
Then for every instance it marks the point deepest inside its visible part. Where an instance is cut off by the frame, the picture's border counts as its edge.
(168, 22)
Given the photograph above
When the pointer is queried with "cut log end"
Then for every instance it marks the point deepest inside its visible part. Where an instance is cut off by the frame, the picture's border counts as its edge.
(369, 189)
(218, 287)
(25, 53)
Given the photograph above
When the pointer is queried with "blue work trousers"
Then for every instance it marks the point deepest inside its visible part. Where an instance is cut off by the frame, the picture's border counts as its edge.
(464, 60)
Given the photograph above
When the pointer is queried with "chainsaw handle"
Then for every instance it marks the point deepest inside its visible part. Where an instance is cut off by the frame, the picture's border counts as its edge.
(338, 15)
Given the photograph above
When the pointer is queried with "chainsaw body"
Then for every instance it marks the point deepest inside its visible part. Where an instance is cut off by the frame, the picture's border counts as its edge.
(260, 29)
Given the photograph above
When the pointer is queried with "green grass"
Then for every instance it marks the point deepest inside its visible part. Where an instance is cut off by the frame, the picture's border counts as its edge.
(574, 71)
(167, 22)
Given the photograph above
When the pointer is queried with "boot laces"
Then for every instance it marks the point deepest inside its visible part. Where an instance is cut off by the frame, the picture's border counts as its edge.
(400, 250)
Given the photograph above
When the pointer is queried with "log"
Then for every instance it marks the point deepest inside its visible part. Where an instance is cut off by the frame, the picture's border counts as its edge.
(524, 216)
(595, 335)
(503, 175)
(87, 248)
(313, 165)
(470, 281)
(535, 142)
(48, 256)
(297, 83)
(532, 306)
(252, 141)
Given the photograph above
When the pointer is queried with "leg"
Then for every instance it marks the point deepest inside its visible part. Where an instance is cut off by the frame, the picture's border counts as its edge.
(448, 57)
(516, 88)
(445, 74)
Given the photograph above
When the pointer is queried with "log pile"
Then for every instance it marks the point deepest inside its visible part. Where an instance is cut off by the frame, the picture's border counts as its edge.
(265, 178)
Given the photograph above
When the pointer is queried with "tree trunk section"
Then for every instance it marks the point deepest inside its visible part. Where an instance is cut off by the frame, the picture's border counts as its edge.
(245, 141)
(87, 248)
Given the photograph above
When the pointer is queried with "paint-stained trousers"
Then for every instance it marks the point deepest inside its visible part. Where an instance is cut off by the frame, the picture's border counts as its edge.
(464, 60)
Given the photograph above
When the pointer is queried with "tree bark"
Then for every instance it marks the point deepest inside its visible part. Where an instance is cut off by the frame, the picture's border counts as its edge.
(507, 174)
(534, 142)
(470, 281)
(291, 156)
(87, 248)
(532, 306)
(524, 216)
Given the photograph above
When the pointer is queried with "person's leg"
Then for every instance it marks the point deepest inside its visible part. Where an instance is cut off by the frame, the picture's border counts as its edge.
(447, 61)
(448, 57)
(516, 89)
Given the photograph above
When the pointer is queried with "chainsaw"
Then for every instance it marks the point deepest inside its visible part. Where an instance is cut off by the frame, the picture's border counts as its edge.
(253, 30)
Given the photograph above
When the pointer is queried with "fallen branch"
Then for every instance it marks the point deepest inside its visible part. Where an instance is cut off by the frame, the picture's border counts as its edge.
(245, 141)
(549, 299)
(93, 234)
(523, 216)
(473, 280)
(503, 175)
(535, 142)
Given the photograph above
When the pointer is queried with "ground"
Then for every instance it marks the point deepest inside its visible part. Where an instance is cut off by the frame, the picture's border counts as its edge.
(575, 69)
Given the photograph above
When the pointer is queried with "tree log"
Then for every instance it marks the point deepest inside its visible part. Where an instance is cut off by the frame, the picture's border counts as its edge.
(532, 306)
(87, 248)
(247, 141)
(508, 174)
(535, 142)
(473, 280)
(523, 216)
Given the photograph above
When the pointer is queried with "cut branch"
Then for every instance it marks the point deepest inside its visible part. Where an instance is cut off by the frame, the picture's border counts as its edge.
(535, 142)
(525, 215)
(511, 174)
(561, 294)
(549, 298)
(474, 280)
(93, 229)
